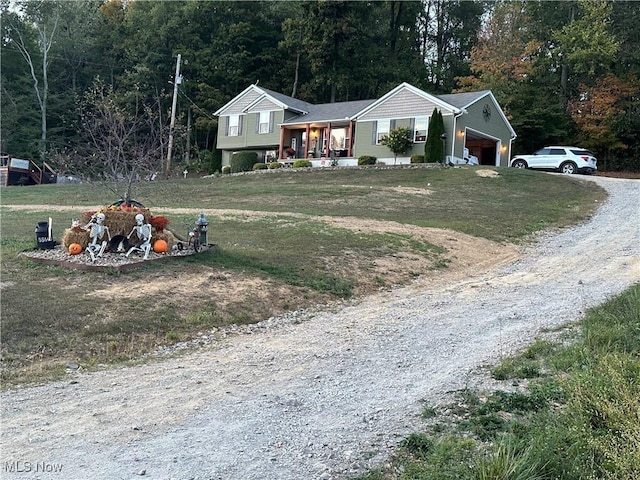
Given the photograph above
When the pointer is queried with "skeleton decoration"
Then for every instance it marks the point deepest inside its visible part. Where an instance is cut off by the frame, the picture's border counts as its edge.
(143, 231)
(97, 229)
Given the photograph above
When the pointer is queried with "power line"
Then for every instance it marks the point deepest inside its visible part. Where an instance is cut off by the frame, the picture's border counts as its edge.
(200, 109)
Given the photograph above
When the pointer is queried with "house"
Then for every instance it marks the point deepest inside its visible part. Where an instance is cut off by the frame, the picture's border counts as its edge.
(283, 128)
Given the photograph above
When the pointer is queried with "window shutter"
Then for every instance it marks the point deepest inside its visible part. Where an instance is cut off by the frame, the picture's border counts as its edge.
(271, 118)
(392, 125)
(374, 133)
(412, 127)
(258, 122)
(226, 126)
(240, 122)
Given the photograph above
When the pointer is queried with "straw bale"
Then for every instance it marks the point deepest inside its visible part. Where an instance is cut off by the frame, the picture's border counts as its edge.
(119, 222)
(75, 235)
(165, 235)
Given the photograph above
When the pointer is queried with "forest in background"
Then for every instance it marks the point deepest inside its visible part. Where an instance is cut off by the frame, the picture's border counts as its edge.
(77, 77)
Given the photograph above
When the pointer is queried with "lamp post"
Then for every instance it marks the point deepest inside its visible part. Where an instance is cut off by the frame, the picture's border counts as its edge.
(201, 224)
(443, 137)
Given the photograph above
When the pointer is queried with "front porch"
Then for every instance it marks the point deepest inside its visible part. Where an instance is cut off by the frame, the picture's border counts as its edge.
(321, 142)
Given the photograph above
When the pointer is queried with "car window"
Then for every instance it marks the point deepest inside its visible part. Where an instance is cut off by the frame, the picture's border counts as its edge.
(557, 151)
(582, 152)
(542, 151)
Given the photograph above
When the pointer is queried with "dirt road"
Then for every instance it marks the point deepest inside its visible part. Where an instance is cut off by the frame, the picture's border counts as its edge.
(324, 394)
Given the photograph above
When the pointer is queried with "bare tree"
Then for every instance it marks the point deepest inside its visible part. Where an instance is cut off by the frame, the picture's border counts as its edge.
(123, 141)
(44, 22)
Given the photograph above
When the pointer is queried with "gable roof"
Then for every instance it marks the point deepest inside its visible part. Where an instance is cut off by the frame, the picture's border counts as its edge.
(283, 101)
(466, 99)
(289, 103)
(463, 100)
(416, 91)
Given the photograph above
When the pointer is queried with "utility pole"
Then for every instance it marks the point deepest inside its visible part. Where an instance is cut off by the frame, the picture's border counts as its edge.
(177, 80)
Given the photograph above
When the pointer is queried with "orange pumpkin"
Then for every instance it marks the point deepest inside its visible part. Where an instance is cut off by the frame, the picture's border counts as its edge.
(160, 246)
(75, 248)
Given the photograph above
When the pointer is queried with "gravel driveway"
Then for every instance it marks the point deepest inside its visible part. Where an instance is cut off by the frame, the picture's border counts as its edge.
(322, 394)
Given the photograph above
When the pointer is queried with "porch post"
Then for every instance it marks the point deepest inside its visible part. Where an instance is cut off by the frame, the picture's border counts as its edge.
(280, 149)
(306, 141)
(349, 134)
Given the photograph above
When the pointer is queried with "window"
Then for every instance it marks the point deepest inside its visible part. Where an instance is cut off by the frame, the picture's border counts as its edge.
(338, 138)
(234, 125)
(270, 156)
(420, 129)
(383, 130)
(263, 122)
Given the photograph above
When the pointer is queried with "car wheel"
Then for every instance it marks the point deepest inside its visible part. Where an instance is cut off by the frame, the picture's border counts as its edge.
(569, 168)
(519, 164)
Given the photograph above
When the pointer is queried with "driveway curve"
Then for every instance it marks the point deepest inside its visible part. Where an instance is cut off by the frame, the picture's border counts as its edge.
(319, 394)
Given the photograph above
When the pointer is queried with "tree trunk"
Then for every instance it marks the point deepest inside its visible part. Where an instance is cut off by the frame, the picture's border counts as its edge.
(45, 90)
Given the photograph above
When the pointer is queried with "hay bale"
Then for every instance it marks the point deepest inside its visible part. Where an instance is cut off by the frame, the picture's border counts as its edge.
(75, 235)
(165, 235)
(119, 222)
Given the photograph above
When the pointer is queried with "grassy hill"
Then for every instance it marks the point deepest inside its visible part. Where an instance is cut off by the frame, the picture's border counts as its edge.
(285, 240)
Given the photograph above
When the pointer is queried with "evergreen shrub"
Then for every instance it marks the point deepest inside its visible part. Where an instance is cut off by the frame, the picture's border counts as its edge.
(274, 165)
(367, 160)
(260, 166)
(226, 169)
(417, 158)
(301, 164)
(243, 161)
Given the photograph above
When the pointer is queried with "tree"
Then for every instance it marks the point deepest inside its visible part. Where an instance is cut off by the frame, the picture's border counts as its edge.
(512, 59)
(40, 21)
(597, 113)
(449, 31)
(124, 143)
(398, 141)
(433, 147)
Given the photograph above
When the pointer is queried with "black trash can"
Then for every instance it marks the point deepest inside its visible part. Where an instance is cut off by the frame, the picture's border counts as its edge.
(43, 240)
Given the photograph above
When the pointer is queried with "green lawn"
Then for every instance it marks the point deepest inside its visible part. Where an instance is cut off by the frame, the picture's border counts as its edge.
(264, 265)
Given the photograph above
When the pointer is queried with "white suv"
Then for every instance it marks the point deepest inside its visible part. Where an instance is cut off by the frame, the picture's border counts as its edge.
(565, 159)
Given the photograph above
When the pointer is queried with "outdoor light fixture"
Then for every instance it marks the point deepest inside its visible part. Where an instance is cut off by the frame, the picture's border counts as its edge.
(201, 224)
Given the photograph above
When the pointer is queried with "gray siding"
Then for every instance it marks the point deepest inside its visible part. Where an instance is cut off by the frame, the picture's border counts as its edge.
(249, 138)
(364, 135)
(263, 139)
(494, 127)
(264, 105)
(241, 103)
(404, 104)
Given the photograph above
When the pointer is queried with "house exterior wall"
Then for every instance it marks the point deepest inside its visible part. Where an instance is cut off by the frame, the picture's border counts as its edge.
(494, 127)
(405, 104)
(238, 106)
(364, 141)
(264, 105)
(401, 107)
(249, 138)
